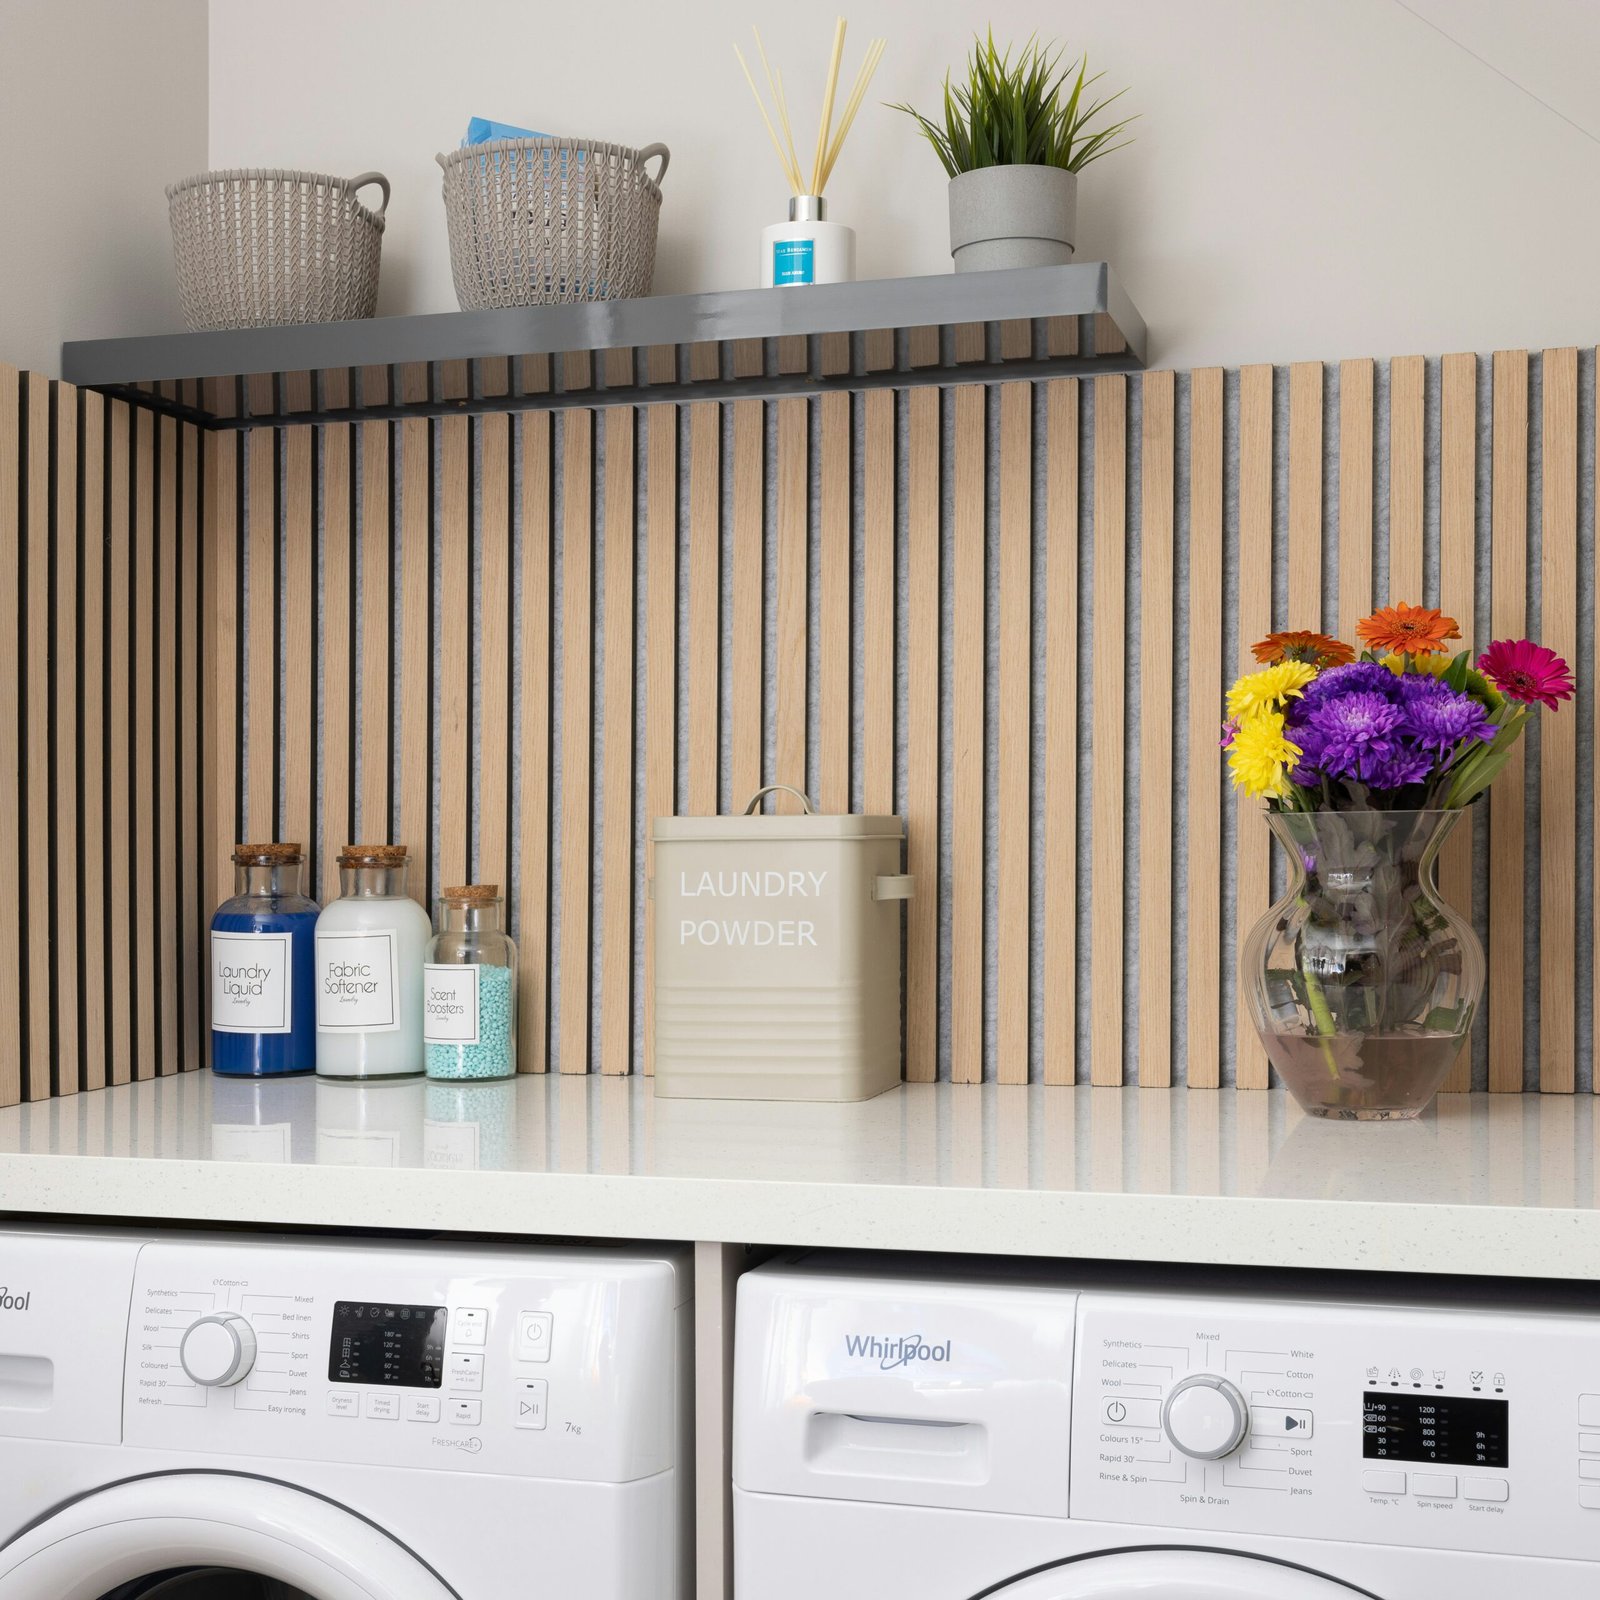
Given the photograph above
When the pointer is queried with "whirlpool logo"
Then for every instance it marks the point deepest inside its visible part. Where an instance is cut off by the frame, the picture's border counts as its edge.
(895, 1350)
(15, 1300)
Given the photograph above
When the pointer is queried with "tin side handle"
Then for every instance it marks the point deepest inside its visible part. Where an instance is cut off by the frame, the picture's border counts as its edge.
(900, 887)
(778, 788)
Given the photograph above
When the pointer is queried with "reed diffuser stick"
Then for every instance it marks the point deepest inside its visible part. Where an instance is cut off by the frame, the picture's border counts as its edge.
(825, 122)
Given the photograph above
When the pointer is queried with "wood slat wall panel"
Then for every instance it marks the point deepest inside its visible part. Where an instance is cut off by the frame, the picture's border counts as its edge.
(704, 580)
(143, 890)
(119, 716)
(373, 810)
(335, 755)
(457, 623)
(878, 604)
(193, 851)
(91, 740)
(1355, 494)
(616, 928)
(789, 665)
(746, 597)
(495, 606)
(66, 896)
(1305, 497)
(833, 607)
(413, 652)
(168, 624)
(661, 657)
(533, 883)
(1407, 476)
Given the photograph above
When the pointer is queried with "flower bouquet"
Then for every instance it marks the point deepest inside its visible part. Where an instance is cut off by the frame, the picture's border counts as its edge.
(1362, 982)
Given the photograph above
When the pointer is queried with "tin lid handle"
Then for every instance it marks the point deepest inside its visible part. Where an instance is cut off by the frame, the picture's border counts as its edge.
(778, 788)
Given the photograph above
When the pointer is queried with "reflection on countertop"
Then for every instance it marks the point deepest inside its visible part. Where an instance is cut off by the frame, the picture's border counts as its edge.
(1052, 1169)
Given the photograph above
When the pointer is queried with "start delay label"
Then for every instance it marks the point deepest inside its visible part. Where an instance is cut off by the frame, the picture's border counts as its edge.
(717, 913)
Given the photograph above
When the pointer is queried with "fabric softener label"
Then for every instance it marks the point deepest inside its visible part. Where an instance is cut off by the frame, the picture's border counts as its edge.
(794, 261)
(450, 1003)
(358, 981)
(250, 987)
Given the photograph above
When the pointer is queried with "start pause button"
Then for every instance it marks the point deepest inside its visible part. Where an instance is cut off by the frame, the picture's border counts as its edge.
(1274, 1422)
(530, 1402)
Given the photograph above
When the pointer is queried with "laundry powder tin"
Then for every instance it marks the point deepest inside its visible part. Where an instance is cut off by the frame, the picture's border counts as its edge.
(777, 954)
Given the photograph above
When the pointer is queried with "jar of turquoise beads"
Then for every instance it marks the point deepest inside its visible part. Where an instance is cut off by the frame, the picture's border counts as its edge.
(470, 989)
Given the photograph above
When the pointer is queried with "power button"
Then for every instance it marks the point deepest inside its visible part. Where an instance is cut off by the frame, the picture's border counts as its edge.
(534, 1330)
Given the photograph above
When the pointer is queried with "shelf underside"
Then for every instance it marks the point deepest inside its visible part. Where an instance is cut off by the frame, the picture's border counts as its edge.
(889, 333)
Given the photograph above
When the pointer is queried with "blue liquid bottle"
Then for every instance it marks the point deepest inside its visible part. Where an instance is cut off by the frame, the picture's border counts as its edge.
(263, 973)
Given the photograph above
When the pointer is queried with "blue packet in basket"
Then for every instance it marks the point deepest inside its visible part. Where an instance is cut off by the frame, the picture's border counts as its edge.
(480, 130)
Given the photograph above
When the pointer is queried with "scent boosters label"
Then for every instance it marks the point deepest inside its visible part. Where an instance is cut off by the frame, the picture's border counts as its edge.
(250, 987)
(358, 987)
(450, 1003)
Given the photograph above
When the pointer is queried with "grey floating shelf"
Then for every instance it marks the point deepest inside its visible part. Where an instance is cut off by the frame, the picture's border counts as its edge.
(886, 333)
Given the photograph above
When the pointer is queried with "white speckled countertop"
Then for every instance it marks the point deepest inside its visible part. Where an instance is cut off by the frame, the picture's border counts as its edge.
(1506, 1185)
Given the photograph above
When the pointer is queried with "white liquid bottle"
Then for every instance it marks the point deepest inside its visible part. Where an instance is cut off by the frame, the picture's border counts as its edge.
(371, 946)
(807, 248)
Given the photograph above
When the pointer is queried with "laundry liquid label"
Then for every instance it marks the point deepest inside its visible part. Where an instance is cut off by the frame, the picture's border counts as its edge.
(250, 987)
(358, 981)
(450, 1003)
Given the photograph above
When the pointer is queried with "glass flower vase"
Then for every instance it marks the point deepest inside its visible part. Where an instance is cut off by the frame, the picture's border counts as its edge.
(1362, 981)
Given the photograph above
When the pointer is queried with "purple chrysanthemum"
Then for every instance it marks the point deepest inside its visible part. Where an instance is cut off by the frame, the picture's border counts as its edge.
(1437, 718)
(1365, 677)
(1396, 771)
(1354, 731)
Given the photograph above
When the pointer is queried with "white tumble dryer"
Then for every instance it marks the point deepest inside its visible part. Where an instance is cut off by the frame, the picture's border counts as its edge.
(241, 1417)
(913, 1432)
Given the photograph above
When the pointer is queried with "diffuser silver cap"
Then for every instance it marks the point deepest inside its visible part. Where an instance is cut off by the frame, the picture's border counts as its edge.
(808, 208)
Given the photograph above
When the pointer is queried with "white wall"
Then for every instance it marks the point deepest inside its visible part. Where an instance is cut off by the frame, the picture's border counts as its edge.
(102, 103)
(1310, 179)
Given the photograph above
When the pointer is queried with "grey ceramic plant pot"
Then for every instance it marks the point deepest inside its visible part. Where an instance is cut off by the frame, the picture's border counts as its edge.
(1012, 217)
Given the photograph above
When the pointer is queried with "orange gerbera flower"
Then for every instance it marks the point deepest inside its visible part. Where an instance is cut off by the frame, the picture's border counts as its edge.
(1408, 630)
(1316, 649)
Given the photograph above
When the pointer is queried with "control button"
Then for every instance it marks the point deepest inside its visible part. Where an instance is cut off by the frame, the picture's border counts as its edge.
(469, 1324)
(1589, 1444)
(1589, 1410)
(533, 1335)
(218, 1350)
(1376, 1482)
(530, 1402)
(1433, 1485)
(385, 1407)
(1589, 1497)
(1589, 1471)
(1276, 1423)
(1493, 1490)
(344, 1403)
(466, 1371)
(1123, 1411)
(467, 1413)
(1205, 1416)
(422, 1408)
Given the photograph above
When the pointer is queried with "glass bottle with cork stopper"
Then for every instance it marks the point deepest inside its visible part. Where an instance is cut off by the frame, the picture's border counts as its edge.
(471, 988)
(371, 944)
(263, 1001)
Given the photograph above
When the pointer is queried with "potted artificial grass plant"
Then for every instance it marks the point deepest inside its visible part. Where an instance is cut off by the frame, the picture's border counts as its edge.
(1014, 137)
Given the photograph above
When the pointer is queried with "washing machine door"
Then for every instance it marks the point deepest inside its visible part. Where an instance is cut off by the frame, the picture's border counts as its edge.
(1173, 1574)
(165, 1534)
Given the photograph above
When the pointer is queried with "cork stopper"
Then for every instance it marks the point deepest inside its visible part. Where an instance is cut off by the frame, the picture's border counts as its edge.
(372, 855)
(472, 894)
(267, 855)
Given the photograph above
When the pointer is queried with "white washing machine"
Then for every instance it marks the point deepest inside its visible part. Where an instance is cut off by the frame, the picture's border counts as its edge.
(902, 1435)
(238, 1417)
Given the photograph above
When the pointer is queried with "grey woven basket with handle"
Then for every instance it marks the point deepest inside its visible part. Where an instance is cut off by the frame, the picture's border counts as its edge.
(551, 221)
(262, 248)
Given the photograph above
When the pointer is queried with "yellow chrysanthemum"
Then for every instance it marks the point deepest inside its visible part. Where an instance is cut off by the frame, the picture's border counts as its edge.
(1268, 689)
(1261, 755)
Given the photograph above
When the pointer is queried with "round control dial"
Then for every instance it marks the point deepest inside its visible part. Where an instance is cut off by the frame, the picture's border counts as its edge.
(1205, 1416)
(218, 1350)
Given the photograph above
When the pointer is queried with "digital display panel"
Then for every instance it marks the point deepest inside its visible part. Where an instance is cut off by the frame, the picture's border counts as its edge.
(375, 1342)
(1419, 1427)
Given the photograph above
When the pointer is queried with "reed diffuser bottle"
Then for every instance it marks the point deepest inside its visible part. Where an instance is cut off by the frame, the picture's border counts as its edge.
(808, 248)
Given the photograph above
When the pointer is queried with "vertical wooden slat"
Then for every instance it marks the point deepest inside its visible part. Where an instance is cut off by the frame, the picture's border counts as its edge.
(11, 878)
(261, 684)
(1060, 965)
(456, 627)
(1458, 496)
(704, 579)
(1305, 496)
(533, 820)
(336, 750)
(119, 682)
(298, 649)
(169, 624)
(577, 661)
(1203, 1043)
(1407, 465)
(195, 911)
(921, 801)
(833, 606)
(1255, 620)
(661, 661)
(375, 816)
(36, 708)
(1509, 617)
(877, 604)
(91, 684)
(789, 646)
(746, 595)
(1355, 494)
(1014, 816)
(1159, 438)
(616, 978)
(1110, 665)
(413, 678)
(144, 887)
(67, 726)
(1558, 746)
(495, 611)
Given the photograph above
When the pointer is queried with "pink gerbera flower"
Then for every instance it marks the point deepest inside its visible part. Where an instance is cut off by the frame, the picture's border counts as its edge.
(1526, 671)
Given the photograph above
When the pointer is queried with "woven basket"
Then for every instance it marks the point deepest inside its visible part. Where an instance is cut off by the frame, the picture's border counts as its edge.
(537, 222)
(260, 249)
